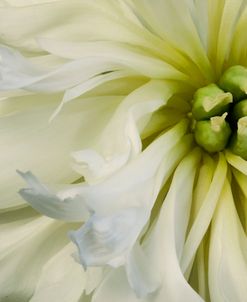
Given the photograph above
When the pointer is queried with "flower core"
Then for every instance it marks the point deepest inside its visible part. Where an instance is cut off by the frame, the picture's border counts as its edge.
(219, 113)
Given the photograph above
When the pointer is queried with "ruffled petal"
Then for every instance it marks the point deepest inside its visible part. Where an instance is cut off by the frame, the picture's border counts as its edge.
(162, 247)
(43, 200)
(120, 140)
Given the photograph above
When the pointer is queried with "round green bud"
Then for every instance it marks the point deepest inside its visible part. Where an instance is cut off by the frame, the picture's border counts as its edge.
(238, 143)
(240, 110)
(234, 80)
(212, 135)
(209, 101)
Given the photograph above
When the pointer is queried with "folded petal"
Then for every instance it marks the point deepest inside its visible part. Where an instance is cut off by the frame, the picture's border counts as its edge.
(120, 140)
(43, 200)
(161, 247)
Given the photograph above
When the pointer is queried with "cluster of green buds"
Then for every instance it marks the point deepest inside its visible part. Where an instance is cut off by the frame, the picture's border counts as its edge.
(220, 113)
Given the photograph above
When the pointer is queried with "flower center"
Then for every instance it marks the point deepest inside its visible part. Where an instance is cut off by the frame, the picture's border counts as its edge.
(219, 113)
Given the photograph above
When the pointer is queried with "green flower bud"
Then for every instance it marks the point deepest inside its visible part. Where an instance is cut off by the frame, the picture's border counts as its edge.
(210, 101)
(212, 135)
(240, 110)
(238, 143)
(234, 80)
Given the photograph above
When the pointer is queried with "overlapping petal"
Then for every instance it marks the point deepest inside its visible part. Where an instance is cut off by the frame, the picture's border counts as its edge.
(115, 78)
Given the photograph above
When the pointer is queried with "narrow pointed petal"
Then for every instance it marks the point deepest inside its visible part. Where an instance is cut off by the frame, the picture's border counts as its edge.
(205, 213)
(165, 246)
(228, 253)
(237, 162)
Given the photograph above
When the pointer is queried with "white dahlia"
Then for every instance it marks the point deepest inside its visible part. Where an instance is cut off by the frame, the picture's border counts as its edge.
(150, 99)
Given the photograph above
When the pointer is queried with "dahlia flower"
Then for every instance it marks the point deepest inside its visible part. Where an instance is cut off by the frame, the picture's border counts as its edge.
(126, 121)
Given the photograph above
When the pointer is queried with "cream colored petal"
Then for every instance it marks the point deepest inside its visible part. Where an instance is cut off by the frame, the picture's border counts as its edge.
(238, 54)
(237, 162)
(29, 242)
(45, 201)
(222, 19)
(128, 183)
(205, 213)
(62, 279)
(182, 35)
(28, 141)
(120, 140)
(115, 287)
(162, 247)
(113, 228)
(165, 245)
(87, 20)
(228, 253)
(241, 203)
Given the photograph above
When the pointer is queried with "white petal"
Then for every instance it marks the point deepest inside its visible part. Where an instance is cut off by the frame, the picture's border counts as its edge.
(62, 279)
(120, 140)
(18, 72)
(115, 287)
(31, 244)
(128, 183)
(221, 33)
(161, 247)
(43, 200)
(237, 162)
(228, 253)
(205, 213)
(106, 240)
(98, 21)
(164, 244)
(28, 141)
(110, 234)
(143, 278)
(182, 35)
